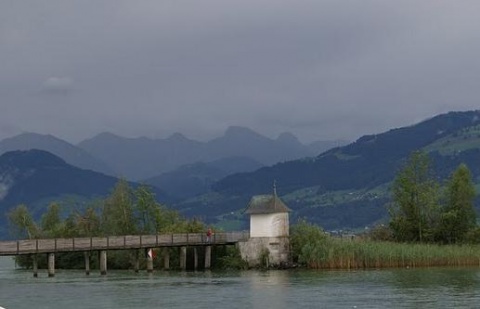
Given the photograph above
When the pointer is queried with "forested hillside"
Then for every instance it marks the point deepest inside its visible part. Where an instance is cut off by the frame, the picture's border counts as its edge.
(349, 186)
(36, 178)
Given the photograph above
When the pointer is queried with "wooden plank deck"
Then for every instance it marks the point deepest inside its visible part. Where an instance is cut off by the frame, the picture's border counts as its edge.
(33, 246)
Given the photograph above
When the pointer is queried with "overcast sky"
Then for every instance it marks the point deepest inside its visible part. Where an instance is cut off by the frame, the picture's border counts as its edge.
(320, 69)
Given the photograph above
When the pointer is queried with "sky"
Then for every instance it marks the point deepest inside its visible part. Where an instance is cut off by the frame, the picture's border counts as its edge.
(320, 69)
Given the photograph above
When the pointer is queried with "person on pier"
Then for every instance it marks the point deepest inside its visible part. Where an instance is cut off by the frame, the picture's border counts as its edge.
(209, 235)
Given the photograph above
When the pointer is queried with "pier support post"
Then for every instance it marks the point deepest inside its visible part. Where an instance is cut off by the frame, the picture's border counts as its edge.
(86, 255)
(103, 262)
(183, 258)
(208, 257)
(195, 258)
(136, 266)
(149, 260)
(166, 259)
(51, 264)
(35, 266)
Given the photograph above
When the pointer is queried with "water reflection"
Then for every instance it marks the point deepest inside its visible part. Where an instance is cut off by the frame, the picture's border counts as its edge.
(268, 289)
(438, 287)
(6, 263)
(457, 278)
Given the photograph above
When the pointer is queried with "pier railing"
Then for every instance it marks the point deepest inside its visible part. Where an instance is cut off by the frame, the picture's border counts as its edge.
(53, 245)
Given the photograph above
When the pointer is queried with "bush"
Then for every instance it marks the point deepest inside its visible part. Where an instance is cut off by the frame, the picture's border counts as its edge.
(232, 260)
(304, 235)
(473, 236)
(380, 233)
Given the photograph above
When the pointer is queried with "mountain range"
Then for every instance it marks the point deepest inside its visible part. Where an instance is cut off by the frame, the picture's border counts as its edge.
(343, 187)
(143, 158)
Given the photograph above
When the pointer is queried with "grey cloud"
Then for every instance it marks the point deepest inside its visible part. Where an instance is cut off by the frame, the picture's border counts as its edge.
(57, 85)
(318, 68)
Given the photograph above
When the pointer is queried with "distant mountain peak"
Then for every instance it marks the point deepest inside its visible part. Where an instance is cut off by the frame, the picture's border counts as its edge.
(31, 158)
(107, 135)
(177, 137)
(238, 131)
(31, 135)
(287, 138)
(56, 146)
(104, 137)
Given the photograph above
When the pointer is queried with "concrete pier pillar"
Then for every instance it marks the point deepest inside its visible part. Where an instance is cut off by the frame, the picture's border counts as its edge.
(86, 255)
(103, 262)
(208, 257)
(136, 265)
(35, 266)
(51, 264)
(183, 258)
(149, 260)
(166, 259)
(195, 258)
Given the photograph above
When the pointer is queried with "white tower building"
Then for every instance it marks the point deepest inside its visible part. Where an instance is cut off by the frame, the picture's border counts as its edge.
(269, 231)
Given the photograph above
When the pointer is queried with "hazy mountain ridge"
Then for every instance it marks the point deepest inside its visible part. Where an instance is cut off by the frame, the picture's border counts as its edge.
(68, 152)
(165, 161)
(143, 158)
(369, 161)
(196, 178)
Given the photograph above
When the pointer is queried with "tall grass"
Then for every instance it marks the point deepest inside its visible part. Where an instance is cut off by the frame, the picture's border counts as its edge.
(337, 253)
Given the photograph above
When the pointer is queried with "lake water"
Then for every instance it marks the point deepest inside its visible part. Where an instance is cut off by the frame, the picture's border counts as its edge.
(398, 288)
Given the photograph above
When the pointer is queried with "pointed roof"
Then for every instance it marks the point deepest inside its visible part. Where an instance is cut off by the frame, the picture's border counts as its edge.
(266, 204)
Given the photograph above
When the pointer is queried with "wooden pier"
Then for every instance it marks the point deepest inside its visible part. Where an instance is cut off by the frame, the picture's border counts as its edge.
(54, 245)
(126, 242)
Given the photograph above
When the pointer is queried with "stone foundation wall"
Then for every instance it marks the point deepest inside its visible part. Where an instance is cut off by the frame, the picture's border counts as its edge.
(278, 250)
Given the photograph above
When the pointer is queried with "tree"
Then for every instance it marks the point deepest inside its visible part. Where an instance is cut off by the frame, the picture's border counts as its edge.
(458, 215)
(118, 216)
(22, 223)
(414, 214)
(148, 210)
(50, 222)
(170, 221)
(88, 223)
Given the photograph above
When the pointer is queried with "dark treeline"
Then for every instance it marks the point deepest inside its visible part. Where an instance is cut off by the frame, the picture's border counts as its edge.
(126, 211)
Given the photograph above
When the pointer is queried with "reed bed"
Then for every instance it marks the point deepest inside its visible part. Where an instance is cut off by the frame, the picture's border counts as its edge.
(337, 253)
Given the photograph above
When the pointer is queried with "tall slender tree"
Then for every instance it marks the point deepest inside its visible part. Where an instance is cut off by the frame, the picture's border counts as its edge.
(22, 224)
(51, 222)
(117, 216)
(458, 215)
(148, 211)
(414, 213)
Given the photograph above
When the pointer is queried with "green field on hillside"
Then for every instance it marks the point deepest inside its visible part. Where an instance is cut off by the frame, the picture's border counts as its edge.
(468, 138)
(314, 197)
